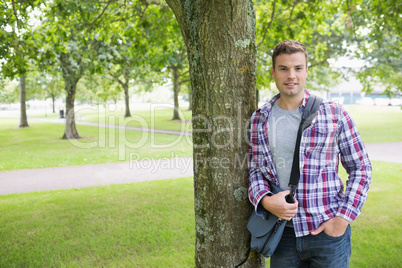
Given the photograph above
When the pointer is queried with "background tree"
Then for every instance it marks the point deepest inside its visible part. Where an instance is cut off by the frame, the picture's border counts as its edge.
(376, 38)
(130, 34)
(220, 40)
(34, 83)
(162, 50)
(43, 85)
(53, 86)
(70, 39)
(173, 55)
(8, 92)
(177, 65)
(103, 88)
(16, 45)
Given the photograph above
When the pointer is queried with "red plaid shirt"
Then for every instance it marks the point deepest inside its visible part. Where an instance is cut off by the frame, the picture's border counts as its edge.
(320, 192)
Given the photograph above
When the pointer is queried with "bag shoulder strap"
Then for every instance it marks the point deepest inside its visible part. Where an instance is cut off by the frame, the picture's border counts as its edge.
(309, 112)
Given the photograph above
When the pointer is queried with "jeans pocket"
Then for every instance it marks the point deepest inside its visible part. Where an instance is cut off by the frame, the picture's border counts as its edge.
(335, 237)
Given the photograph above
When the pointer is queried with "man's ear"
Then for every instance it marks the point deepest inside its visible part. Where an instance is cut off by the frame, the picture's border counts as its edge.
(273, 72)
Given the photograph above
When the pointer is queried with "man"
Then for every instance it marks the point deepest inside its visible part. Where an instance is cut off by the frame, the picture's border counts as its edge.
(318, 232)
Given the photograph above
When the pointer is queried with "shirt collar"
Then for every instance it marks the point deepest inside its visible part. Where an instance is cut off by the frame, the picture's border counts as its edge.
(266, 108)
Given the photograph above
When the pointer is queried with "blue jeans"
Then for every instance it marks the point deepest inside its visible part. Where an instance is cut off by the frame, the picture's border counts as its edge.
(311, 251)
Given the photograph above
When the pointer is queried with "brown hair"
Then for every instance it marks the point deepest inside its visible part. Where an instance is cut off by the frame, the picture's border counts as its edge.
(288, 47)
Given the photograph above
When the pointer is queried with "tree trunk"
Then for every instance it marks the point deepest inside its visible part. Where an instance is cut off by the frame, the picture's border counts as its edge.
(176, 89)
(126, 99)
(71, 131)
(257, 96)
(53, 101)
(23, 110)
(220, 39)
(71, 78)
(190, 99)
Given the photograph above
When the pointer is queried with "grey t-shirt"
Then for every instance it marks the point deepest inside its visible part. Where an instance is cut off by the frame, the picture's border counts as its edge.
(282, 132)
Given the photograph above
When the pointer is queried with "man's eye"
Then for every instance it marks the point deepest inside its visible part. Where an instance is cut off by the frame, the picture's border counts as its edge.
(282, 69)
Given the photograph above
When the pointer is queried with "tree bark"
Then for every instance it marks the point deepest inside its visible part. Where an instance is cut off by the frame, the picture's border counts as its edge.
(23, 109)
(124, 84)
(70, 131)
(220, 39)
(71, 77)
(126, 99)
(190, 99)
(176, 89)
(53, 101)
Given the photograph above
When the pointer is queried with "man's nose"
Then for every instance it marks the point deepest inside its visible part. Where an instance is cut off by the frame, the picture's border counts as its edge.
(292, 74)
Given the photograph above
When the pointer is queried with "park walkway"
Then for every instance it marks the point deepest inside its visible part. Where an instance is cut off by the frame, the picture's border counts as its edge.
(31, 180)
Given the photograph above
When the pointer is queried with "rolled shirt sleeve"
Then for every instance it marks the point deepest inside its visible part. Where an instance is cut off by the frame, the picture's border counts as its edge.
(355, 160)
(258, 185)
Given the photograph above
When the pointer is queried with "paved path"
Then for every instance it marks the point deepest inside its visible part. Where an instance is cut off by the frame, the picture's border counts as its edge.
(387, 152)
(31, 180)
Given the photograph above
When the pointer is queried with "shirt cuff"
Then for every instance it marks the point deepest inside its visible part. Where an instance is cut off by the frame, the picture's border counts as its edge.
(348, 212)
(259, 209)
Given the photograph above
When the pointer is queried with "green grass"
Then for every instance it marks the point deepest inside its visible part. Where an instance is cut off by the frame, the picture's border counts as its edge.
(377, 233)
(377, 123)
(156, 118)
(133, 225)
(151, 224)
(41, 145)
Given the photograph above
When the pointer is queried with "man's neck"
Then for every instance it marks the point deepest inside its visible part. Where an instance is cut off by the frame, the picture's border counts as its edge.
(290, 103)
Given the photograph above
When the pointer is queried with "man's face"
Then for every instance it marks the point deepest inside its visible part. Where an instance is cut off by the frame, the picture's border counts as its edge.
(290, 74)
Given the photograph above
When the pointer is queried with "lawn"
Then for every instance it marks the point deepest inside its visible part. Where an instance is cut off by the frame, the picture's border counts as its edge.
(377, 123)
(41, 146)
(376, 234)
(152, 225)
(133, 225)
(156, 117)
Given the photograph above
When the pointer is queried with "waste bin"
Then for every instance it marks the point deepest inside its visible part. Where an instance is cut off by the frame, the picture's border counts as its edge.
(61, 114)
